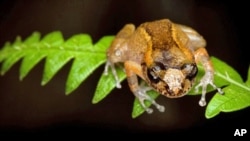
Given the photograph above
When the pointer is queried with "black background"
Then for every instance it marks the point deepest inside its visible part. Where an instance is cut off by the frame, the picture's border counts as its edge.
(27, 108)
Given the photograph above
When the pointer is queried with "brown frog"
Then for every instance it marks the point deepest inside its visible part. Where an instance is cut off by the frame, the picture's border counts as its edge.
(163, 54)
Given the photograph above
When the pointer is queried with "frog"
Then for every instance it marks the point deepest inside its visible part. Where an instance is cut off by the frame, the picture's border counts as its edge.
(164, 55)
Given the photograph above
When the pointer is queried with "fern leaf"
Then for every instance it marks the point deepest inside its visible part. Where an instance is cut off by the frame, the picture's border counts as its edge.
(86, 61)
(80, 71)
(57, 52)
(51, 68)
(34, 38)
(106, 84)
(29, 61)
(36, 52)
(54, 39)
(10, 61)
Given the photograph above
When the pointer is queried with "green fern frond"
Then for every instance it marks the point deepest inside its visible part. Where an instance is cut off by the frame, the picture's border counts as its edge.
(57, 52)
(88, 56)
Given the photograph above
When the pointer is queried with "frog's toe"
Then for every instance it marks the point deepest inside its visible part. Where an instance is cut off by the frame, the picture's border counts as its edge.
(142, 96)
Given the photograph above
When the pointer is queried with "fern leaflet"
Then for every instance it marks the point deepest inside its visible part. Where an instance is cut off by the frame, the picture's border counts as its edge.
(57, 52)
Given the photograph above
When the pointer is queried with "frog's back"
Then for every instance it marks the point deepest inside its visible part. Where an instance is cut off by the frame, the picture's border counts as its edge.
(160, 32)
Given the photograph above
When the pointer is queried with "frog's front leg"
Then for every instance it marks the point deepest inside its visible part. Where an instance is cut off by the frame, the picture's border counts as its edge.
(112, 66)
(201, 55)
(132, 70)
(197, 44)
(117, 51)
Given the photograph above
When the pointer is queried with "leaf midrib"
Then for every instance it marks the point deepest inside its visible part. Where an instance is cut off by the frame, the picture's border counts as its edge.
(227, 78)
(60, 48)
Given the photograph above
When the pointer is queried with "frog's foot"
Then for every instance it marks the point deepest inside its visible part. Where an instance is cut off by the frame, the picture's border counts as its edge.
(206, 80)
(141, 94)
(111, 65)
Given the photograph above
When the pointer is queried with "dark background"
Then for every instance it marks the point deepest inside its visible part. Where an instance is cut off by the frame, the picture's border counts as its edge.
(27, 108)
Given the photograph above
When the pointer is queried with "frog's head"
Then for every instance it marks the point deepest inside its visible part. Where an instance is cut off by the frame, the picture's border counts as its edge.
(170, 78)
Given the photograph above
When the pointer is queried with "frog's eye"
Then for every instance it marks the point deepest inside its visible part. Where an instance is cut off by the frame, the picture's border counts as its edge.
(190, 70)
(152, 76)
(153, 72)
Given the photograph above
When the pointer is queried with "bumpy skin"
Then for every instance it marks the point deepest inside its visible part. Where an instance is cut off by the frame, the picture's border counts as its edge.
(163, 54)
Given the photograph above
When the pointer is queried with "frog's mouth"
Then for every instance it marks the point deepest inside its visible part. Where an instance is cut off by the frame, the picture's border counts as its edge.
(171, 82)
